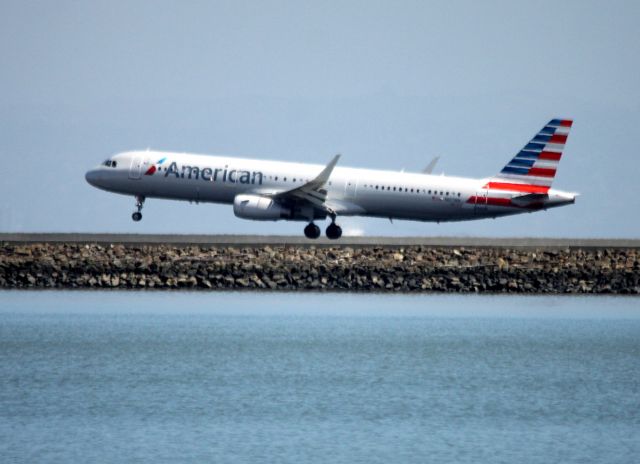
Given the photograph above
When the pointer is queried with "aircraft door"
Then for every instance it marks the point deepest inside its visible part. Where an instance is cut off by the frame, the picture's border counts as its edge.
(480, 203)
(135, 171)
(351, 189)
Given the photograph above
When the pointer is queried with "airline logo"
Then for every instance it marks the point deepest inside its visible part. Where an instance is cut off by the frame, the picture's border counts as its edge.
(234, 176)
(539, 158)
(153, 167)
(532, 170)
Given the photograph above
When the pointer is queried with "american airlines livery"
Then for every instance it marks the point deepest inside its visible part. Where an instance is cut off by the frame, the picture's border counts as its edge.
(272, 190)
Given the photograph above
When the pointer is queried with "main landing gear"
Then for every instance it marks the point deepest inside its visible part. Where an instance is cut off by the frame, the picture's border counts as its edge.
(312, 231)
(334, 231)
(139, 204)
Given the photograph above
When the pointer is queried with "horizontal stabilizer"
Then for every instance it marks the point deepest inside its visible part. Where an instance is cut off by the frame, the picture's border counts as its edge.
(524, 200)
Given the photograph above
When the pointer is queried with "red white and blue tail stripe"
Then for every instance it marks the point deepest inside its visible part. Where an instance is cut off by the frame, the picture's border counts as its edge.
(534, 167)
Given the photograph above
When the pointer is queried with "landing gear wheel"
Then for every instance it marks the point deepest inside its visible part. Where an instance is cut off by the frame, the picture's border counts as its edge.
(312, 231)
(139, 204)
(334, 231)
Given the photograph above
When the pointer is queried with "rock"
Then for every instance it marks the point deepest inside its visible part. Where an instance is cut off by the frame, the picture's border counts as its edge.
(368, 268)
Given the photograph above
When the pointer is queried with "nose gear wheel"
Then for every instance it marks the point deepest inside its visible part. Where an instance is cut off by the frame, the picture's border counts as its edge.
(137, 216)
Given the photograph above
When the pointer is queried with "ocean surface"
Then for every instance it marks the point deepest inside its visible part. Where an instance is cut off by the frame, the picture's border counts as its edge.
(317, 378)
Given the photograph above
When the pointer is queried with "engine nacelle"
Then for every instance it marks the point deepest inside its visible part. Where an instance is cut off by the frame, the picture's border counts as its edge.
(259, 208)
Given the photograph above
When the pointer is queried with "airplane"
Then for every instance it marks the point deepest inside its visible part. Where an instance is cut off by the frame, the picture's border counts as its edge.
(274, 190)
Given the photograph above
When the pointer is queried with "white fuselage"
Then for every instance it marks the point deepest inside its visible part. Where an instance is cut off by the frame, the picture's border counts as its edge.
(365, 192)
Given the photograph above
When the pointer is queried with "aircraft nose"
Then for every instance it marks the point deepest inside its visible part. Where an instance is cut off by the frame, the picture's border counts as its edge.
(92, 176)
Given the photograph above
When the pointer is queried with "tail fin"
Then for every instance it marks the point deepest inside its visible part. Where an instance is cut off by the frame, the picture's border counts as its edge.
(534, 167)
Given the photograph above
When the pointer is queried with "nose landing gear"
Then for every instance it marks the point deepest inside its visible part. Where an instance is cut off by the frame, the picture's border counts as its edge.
(312, 231)
(139, 204)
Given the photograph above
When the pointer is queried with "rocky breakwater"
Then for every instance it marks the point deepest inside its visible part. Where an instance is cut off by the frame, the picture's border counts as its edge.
(367, 268)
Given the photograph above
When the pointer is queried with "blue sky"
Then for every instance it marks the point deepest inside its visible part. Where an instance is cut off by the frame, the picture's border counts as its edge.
(387, 84)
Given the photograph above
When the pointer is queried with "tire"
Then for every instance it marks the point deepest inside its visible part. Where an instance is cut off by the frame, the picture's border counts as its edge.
(312, 231)
(334, 231)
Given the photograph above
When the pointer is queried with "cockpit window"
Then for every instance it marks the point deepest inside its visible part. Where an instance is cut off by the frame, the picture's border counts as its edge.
(113, 164)
(109, 163)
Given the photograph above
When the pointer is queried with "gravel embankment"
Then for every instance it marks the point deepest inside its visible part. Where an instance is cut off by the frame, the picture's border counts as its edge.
(363, 269)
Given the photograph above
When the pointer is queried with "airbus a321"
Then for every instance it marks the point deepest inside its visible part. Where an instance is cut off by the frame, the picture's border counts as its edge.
(274, 190)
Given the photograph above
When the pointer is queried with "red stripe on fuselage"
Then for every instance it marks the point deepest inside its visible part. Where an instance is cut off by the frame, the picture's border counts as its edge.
(517, 187)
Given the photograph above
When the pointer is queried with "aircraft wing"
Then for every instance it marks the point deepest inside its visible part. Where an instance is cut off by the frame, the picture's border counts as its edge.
(313, 191)
(344, 208)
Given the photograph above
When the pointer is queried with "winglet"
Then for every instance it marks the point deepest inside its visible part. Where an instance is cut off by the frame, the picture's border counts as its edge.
(323, 177)
(430, 166)
(312, 191)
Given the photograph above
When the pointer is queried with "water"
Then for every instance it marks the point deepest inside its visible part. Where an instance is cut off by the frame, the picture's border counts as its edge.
(263, 377)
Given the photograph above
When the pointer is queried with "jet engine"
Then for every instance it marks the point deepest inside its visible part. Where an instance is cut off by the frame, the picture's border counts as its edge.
(259, 208)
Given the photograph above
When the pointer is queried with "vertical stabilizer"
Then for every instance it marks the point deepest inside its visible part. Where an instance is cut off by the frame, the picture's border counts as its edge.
(534, 167)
